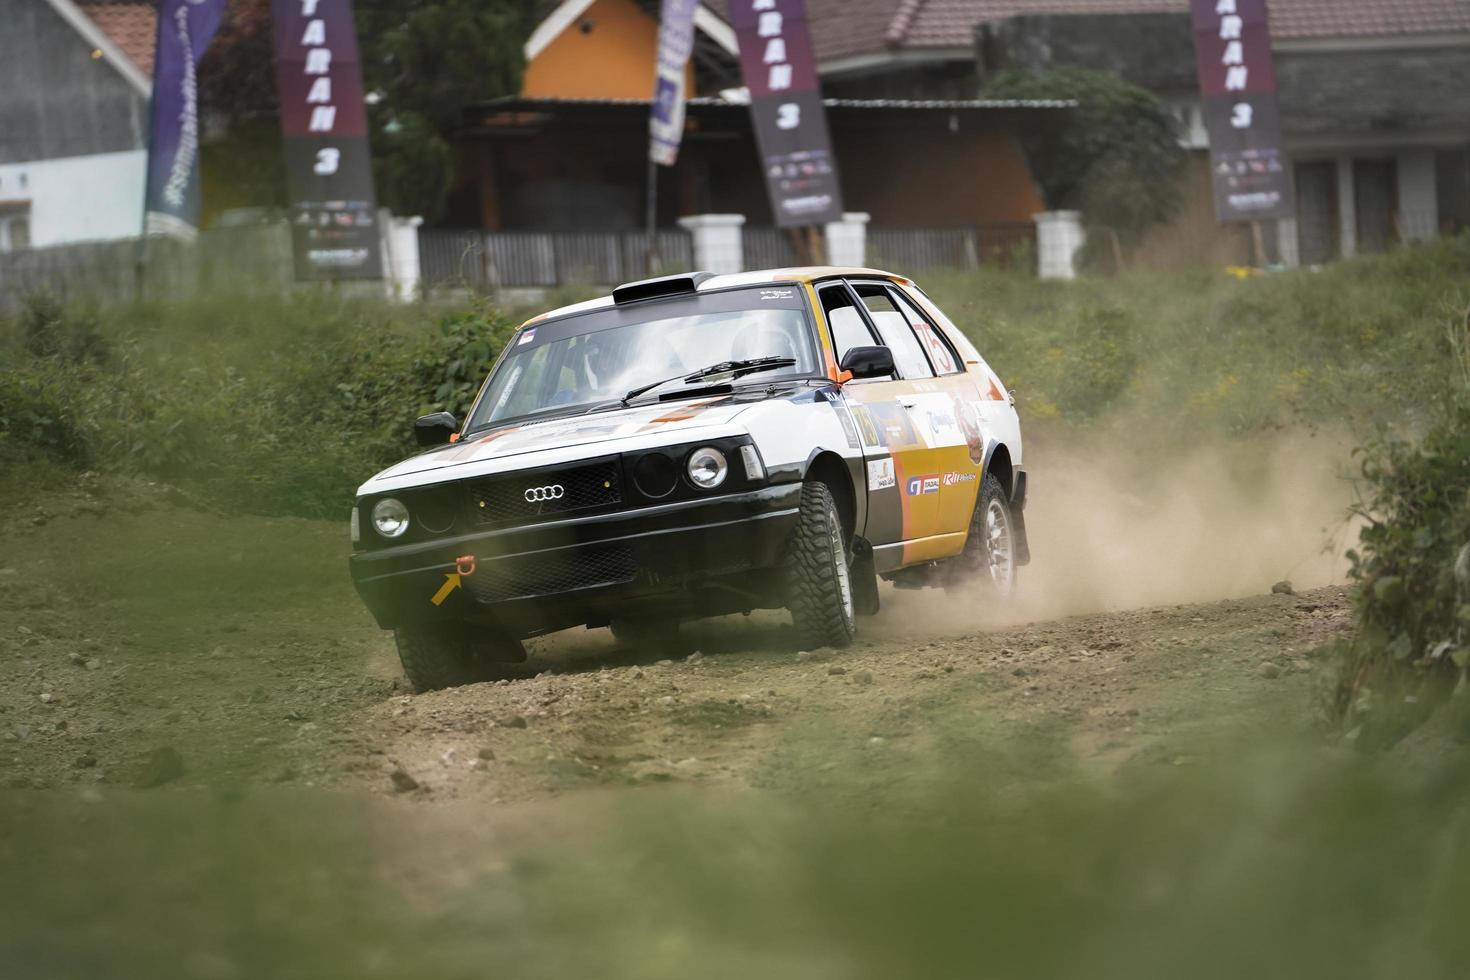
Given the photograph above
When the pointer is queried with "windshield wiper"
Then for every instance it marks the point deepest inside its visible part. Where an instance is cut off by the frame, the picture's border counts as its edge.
(552, 414)
(733, 368)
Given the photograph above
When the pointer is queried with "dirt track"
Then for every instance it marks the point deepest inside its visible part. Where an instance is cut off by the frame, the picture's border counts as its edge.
(192, 648)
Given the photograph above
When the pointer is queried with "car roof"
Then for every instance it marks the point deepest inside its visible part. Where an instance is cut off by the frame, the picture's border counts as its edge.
(797, 274)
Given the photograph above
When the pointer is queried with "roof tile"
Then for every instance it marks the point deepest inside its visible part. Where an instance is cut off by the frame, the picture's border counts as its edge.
(844, 28)
(131, 26)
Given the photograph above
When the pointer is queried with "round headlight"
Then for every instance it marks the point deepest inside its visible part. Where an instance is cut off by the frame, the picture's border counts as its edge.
(708, 468)
(390, 518)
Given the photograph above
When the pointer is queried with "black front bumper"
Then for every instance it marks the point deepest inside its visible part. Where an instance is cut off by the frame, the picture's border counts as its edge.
(563, 573)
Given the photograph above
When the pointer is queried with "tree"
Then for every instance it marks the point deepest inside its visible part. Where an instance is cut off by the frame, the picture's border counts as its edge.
(423, 62)
(1117, 158)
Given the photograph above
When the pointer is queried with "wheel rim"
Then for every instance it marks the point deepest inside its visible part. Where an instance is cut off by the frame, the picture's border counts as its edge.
(998, 550)
(839, 559)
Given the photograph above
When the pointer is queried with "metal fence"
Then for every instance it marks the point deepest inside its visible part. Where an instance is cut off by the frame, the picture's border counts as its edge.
(118, 271)
(500, 259)
(919, 250)
(767, 248)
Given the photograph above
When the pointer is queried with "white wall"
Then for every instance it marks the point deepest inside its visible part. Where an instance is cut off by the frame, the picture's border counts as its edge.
(79, 199)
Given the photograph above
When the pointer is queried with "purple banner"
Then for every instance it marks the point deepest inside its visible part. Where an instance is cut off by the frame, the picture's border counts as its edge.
(1237, 80)
(329, 174)
(185, 28)
(786, 109)
(675, 45)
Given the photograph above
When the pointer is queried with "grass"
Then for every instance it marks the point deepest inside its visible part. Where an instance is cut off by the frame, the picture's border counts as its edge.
(1282, 862)
(1357, 345)
(281, 405)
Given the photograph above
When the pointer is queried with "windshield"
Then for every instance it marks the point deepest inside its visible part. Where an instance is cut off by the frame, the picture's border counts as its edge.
(598, 358)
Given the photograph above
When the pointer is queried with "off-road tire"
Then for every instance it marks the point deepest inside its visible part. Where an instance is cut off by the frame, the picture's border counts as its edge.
(818, 577)
(434, 658)
(980, 564)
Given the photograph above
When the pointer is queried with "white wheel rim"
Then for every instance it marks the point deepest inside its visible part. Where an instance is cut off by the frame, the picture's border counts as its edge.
(839, 558)
(998, 551)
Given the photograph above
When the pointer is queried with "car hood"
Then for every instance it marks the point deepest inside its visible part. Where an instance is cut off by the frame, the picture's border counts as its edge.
(582, 430)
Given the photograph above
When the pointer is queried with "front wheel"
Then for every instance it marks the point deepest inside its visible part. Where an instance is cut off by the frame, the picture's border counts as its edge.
(434, 658)
(819, 580)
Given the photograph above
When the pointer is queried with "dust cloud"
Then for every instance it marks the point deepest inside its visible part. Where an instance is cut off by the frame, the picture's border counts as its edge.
(1113, 530)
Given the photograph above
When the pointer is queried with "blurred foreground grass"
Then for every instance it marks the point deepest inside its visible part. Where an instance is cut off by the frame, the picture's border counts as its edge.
(1287, 861)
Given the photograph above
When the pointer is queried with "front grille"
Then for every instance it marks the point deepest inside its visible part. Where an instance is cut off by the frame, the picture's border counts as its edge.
(502, 499)
(552, 572)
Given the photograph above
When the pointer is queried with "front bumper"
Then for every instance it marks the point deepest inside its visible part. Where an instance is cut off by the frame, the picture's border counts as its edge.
(552, 575)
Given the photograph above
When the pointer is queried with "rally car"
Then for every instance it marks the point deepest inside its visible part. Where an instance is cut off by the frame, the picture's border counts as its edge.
(697, 445)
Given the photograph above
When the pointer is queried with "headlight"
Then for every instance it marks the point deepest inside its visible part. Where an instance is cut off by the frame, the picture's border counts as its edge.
(390, 517)
(708, 468)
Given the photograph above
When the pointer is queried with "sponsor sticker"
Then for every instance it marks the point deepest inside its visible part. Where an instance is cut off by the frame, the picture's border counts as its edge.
(772, 295)
(881, 475)
(950, 479)
(527, 337)
(921, 485)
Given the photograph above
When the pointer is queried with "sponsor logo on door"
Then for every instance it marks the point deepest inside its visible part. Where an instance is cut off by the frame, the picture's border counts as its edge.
(881, 475)
(921, 485)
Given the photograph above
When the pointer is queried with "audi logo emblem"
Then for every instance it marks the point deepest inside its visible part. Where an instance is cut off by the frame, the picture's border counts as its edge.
(536, 495)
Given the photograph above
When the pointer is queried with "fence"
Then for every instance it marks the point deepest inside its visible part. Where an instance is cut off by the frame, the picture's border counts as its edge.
(259, 255)
(919, 250)
(516, 259)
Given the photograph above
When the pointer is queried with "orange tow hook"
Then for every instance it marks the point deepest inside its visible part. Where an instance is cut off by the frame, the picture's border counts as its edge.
(465, 565)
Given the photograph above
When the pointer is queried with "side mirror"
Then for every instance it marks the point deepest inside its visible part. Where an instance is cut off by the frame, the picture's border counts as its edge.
(868, 362)
(435, 430)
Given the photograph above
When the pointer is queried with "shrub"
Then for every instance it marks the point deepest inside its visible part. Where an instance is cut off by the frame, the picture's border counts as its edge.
(1412, 569)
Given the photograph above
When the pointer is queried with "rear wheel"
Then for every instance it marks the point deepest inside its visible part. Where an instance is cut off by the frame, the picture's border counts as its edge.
(990, 550)
(819, 580)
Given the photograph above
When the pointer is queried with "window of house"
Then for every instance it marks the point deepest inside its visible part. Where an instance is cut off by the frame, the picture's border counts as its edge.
(893, 326)
(15, 229)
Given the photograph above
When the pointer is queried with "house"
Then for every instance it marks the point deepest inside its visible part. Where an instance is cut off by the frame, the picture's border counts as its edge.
(1375, 111)
(75, 79)
(570, 153)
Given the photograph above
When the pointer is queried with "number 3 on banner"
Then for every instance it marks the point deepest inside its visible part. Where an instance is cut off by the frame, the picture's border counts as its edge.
(788, 116)
(326, 162)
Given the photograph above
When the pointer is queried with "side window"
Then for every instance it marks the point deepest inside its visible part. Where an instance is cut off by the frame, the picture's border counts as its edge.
(848, 328)
(893, 325)
(943, 356)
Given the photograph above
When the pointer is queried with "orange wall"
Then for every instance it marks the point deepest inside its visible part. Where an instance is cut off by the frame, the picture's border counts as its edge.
(613, 60)
(935, 178)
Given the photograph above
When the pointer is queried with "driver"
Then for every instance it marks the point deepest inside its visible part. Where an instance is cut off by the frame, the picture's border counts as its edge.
(763, 340)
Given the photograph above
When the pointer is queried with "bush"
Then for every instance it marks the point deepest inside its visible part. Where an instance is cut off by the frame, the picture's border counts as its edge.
(275, 407)
(1413, 575)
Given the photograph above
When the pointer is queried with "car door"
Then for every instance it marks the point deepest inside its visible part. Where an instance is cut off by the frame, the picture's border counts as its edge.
(949, 477)
(987, 416)
(904, 508)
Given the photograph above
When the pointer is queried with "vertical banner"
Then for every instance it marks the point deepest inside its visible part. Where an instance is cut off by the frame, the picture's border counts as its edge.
(329, 171)
(171, 200)
(675, 45)
(786, 107)
(1232, 48)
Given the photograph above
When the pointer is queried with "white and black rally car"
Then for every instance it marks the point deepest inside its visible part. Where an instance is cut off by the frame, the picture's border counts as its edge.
(691, 446)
